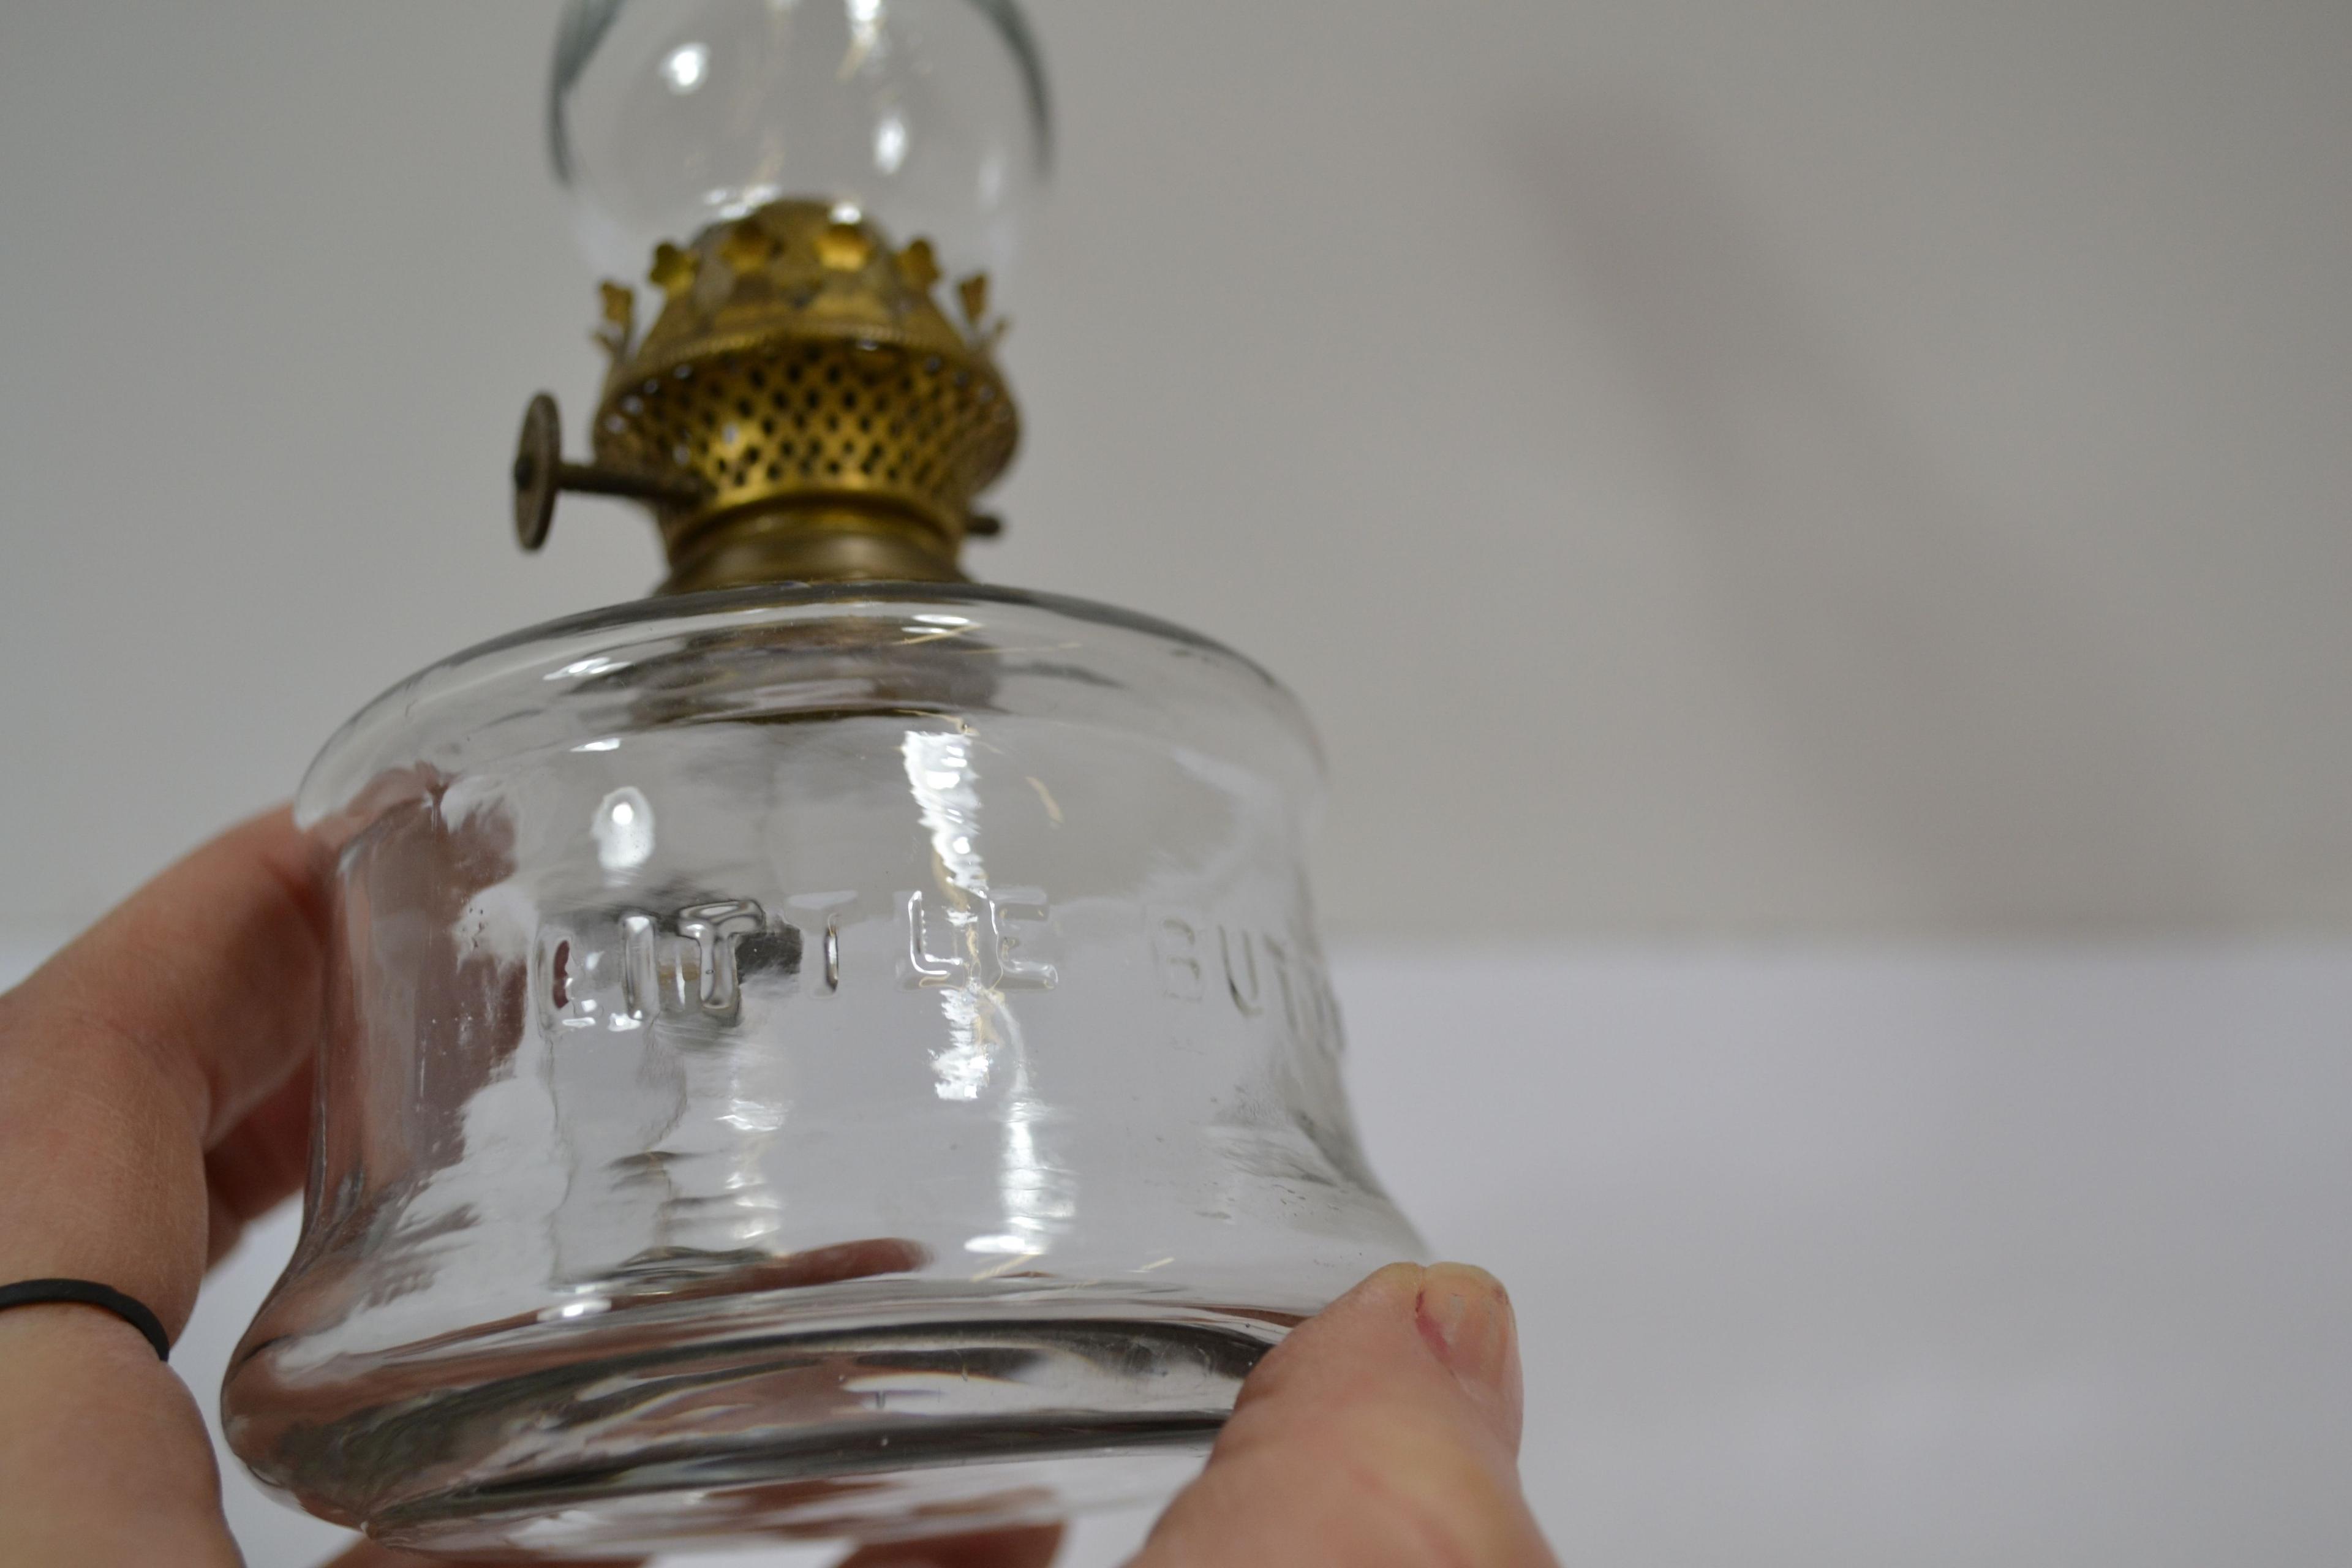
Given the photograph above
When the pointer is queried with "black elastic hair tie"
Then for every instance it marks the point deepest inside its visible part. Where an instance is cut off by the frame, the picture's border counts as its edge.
(89, 1293)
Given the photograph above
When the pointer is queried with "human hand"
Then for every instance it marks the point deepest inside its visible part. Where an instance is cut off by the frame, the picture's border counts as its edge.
(155, 1096)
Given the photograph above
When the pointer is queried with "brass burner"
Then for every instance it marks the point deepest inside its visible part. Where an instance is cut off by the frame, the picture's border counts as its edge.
(801, 410)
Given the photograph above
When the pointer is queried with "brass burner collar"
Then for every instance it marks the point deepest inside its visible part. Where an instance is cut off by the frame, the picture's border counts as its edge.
(802, 409)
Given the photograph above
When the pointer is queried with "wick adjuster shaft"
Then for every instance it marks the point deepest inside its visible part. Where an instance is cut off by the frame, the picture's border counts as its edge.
(541, 474)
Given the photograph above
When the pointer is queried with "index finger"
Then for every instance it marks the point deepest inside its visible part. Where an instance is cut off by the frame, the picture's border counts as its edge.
(138, 1046)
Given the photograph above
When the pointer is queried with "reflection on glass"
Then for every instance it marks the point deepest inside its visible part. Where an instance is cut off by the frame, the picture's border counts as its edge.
(624, 830)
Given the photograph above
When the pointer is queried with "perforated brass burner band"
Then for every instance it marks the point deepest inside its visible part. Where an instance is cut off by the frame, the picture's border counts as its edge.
(801, 410)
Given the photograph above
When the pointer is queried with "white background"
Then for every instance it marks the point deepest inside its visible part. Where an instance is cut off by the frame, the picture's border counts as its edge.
(1838, 1261)
(1832, 467)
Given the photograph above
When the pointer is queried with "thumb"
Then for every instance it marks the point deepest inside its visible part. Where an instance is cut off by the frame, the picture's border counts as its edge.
(1384, 1433)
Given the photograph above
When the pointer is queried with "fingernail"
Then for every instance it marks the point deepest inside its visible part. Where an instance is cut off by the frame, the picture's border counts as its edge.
(1465, 1316)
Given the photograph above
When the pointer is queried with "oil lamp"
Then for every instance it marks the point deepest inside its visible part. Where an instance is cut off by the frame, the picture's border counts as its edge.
(828, 1049)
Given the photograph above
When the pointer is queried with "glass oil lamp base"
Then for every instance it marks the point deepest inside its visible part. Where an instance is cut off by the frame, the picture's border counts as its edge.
(828, 1060)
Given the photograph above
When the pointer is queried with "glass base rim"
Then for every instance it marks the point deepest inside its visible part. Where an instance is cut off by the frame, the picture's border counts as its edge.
(890, 1432)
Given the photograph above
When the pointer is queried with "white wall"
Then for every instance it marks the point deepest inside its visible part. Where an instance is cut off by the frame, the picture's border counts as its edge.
(1828, 468)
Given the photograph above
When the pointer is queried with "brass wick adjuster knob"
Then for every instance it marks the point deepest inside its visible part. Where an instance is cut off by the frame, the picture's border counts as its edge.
(541, 473)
